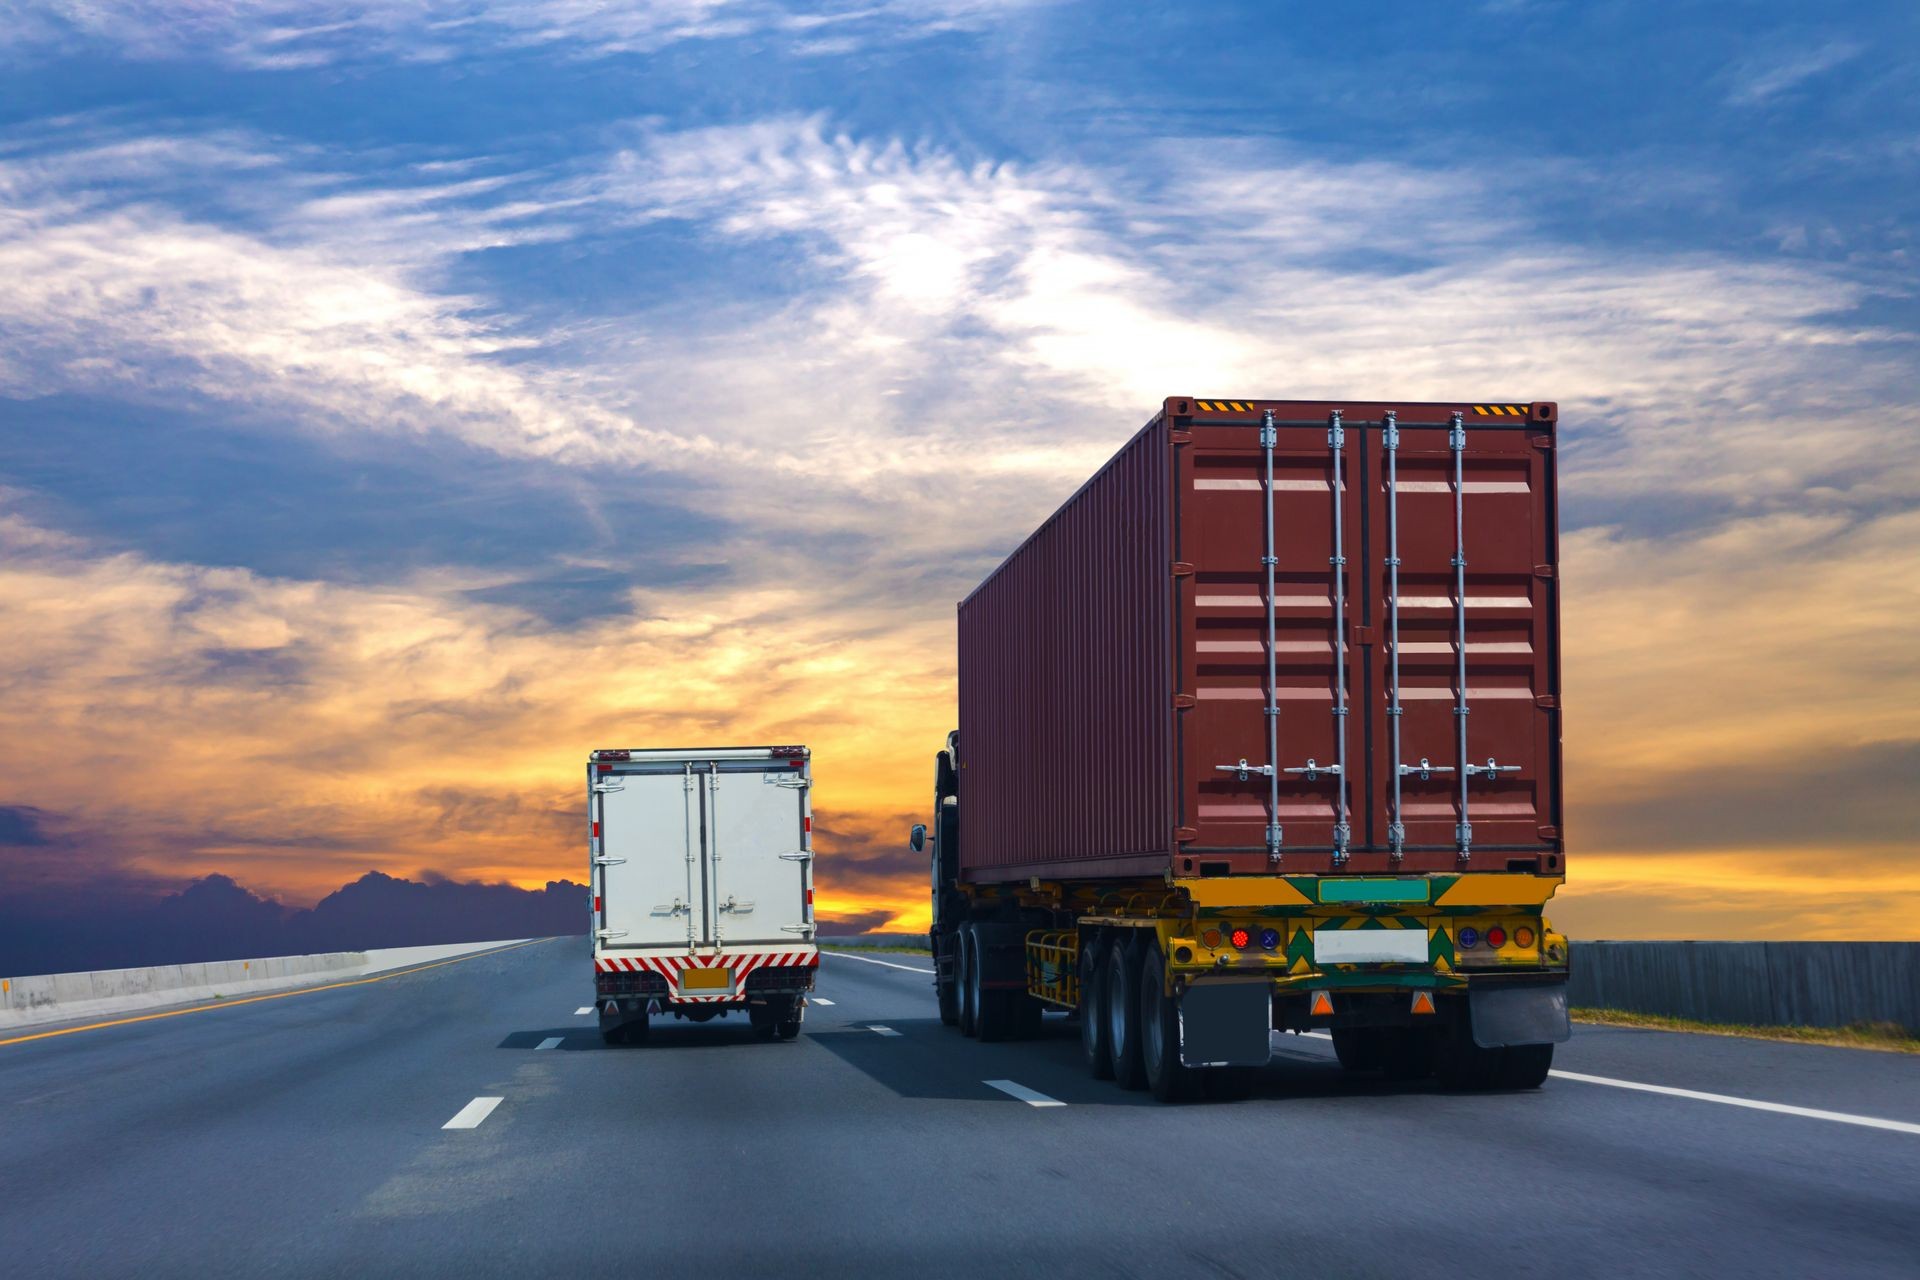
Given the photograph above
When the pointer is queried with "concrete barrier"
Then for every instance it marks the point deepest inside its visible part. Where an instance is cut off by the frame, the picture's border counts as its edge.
(1805, 984)
(62, 997)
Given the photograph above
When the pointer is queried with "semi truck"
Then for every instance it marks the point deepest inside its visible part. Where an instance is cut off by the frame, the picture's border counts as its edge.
(1260, 732)
(702, 880)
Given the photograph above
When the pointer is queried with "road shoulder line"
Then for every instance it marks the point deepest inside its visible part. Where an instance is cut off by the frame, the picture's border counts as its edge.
(870, 960)
(1752, 1104)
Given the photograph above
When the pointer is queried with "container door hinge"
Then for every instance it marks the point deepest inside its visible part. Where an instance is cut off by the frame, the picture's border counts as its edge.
(1547, 702)
(805, 855)
(605, 934)
(603, 788)
(804, 929)
(1185, 835)
(1182, 701)
(1180, 437)
(1181, 569)
(1544, 571)
(608, 862)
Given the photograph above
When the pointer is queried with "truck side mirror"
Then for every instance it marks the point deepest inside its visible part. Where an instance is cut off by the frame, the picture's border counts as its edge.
(918, 840)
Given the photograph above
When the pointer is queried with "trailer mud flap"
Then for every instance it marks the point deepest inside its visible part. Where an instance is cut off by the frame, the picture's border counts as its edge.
(1226, 1024)
(1505, 1016)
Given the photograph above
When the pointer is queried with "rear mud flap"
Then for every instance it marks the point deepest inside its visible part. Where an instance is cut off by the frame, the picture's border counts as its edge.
(1226, 1024)
(1504, 1016)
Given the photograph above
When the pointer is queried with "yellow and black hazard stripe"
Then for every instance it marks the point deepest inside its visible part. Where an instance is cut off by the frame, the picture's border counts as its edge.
(1226, 406)
(1501, 410)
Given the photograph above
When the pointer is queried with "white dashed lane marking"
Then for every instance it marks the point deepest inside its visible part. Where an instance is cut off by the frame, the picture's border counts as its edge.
(551, 1042)
(820, 1000)
(884, 963)
(879, 1030)
(583, 1011)
(1031, 1097)
(470, 1116)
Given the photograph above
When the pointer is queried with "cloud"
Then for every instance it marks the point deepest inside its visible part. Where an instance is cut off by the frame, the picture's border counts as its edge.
(285, 35)
(1759, 80)
(933, 349)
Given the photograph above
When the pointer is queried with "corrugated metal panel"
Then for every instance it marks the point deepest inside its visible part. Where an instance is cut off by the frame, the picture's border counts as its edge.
(1072, 653)
(1066, 682)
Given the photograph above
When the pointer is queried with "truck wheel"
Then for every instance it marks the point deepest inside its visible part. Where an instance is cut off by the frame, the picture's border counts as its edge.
(1027, 1015)
(1094, 1045)
(1525, 1066)
(1123, 1018)
(787, 1025)
(992, 1008)
(1465, 1065)
(1360, 1048)
(963, 978)
(614, 1035)
(1168, 1078)
(948, 988)
(765, 1019)
(1408, 1053)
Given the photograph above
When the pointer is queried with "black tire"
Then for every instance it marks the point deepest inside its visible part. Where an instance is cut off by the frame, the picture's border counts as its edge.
(1360, 1048)
(1228, 1084)
(969, 994)
(948, 991)
(1123, 1018)
(1524, 1066)
(1094, 1045)
(1027, 1017)
(1168, 1079)
(615, 1035)
(788, 1027)
(1408, 1053)
(1464, 1065)
(993, 1008)
(763, 1019)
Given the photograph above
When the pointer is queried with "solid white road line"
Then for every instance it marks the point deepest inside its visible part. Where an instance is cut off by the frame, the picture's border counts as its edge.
(551, 1042)
(879, 1030)
(583, 1011)
(470, 1116)
(820, 1000)
(1812, 1113)
(870, 960)
(1029, 1096)
(1725, 1100)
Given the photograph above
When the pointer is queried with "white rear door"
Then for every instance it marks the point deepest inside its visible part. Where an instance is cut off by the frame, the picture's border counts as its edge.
(757, 853)
(651, 886)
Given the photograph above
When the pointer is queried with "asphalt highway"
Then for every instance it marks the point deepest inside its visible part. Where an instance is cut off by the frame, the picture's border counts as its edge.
(307, 1136)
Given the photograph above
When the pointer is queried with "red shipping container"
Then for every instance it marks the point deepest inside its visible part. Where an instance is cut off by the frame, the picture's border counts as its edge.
(1130, 707)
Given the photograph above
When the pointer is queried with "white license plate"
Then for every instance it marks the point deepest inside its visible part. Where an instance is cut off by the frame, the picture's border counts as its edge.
(1369, 946)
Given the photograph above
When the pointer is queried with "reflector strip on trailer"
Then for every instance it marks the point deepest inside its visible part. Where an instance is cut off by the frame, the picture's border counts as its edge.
(1225, 406)
(1501, 410)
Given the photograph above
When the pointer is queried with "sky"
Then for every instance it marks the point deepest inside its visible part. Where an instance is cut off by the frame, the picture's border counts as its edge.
(398, 400)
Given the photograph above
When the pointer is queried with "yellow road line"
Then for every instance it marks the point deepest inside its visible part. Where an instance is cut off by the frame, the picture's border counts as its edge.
(278, 995)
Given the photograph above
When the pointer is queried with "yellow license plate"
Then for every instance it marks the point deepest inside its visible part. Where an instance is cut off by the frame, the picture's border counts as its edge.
(717, 979)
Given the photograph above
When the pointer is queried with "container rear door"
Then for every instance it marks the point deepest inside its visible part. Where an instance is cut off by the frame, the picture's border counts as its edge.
(1335, 616)
(757, 853)
(652, 890)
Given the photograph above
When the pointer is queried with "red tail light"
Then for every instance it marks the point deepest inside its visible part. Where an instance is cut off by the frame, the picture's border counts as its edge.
(1240, 938)
(1496, 937)
(809, 897)
(596, 831)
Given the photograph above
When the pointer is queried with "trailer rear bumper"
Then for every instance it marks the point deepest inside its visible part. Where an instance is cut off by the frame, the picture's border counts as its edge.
(1506, 1014)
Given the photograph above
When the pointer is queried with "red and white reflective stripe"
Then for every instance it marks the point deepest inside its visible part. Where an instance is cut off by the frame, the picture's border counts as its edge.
(741, 962)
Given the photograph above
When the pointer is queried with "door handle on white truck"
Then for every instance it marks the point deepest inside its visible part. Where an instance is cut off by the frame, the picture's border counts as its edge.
(664, 909)
(604, 934)
(805, 855)
(604, 787)
(740, 907)
(608, 862)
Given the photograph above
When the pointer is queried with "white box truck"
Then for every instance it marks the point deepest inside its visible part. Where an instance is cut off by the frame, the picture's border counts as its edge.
(702, 886)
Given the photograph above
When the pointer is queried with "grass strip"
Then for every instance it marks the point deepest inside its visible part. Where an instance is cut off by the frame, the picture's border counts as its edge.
(1886, 1037)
